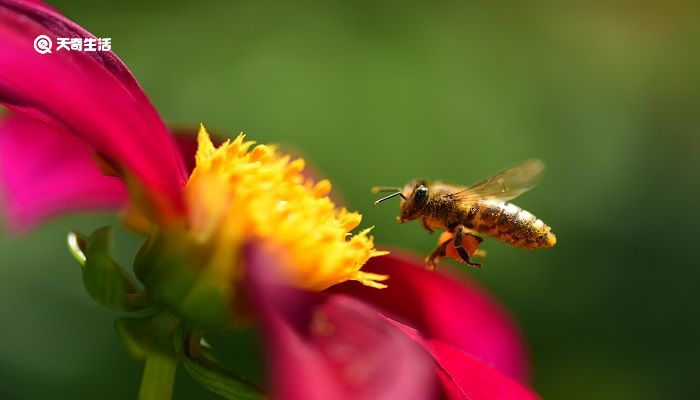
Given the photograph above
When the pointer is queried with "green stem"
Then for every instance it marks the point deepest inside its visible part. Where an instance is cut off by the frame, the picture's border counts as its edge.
(158, 377)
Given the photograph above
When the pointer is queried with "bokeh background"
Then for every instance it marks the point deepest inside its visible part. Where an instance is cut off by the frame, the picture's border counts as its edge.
(379, 92)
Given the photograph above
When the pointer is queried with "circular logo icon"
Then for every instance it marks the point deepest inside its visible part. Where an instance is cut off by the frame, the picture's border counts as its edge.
(42, 44)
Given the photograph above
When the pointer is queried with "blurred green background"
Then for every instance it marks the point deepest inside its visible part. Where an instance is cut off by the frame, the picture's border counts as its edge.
(607, 93)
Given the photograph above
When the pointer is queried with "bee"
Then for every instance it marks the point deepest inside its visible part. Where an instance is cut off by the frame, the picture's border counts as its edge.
(462, 212)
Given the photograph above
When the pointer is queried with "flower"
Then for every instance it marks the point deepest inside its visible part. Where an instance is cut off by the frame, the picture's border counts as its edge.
(235, 192)
(244, 230)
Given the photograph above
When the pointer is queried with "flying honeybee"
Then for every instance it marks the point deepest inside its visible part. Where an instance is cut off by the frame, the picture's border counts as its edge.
(482, 207)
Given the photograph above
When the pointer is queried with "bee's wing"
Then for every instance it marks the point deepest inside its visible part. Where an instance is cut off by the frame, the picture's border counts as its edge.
(505, 185)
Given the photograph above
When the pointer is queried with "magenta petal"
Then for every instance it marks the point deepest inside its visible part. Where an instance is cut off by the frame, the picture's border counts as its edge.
(44, 172)
(453, 311)
(334, 347)
(465, 377)
(91, 95)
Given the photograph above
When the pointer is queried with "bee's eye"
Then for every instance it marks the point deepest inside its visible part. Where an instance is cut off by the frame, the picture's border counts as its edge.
(421, 195)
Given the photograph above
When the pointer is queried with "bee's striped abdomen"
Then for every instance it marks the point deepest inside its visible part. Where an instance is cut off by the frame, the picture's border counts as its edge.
(509, 223)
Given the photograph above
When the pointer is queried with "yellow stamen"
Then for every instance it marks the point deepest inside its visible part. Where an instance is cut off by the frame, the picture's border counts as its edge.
(236, 194)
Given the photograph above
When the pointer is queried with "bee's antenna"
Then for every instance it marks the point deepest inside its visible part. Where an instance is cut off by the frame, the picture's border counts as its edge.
(390, 196)
(378, 189)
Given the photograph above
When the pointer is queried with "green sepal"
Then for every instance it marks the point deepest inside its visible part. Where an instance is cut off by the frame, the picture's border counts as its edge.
(201, 364)
(148, 335)
(105, 281)
(148, 255)
(172, 271)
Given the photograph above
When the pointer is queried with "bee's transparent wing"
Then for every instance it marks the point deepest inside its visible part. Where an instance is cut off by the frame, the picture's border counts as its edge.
(505, 185)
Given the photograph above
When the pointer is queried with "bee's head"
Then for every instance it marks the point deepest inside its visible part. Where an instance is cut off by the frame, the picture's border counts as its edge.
(414, 197)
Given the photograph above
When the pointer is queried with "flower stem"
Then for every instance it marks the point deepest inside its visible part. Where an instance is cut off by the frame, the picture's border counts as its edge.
(158, 377)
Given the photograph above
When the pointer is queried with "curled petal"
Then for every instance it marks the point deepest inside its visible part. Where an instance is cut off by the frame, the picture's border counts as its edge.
(453, 311)
(90, 95)
(465, 377)
(334, 347)
(44, 172)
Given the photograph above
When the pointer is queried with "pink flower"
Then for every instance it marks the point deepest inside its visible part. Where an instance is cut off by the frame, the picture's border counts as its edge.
(83, 135)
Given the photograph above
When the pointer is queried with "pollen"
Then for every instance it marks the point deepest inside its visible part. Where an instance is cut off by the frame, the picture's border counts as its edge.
(239, 192)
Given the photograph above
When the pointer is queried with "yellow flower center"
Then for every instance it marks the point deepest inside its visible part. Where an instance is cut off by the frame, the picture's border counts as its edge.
(239, 193)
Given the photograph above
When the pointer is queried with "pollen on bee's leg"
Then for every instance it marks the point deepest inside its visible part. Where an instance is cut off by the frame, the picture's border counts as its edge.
(481, 253)
(445, 236)
(470, 243)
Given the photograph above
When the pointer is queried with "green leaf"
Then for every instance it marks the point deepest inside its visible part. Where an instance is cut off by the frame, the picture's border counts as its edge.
(106, 282)
(204, 368)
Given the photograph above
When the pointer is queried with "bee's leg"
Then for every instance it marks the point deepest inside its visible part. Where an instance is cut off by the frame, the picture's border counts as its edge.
(472, 233)
(468, 232)
(425, 225)
(459, 234)
(439, 252)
